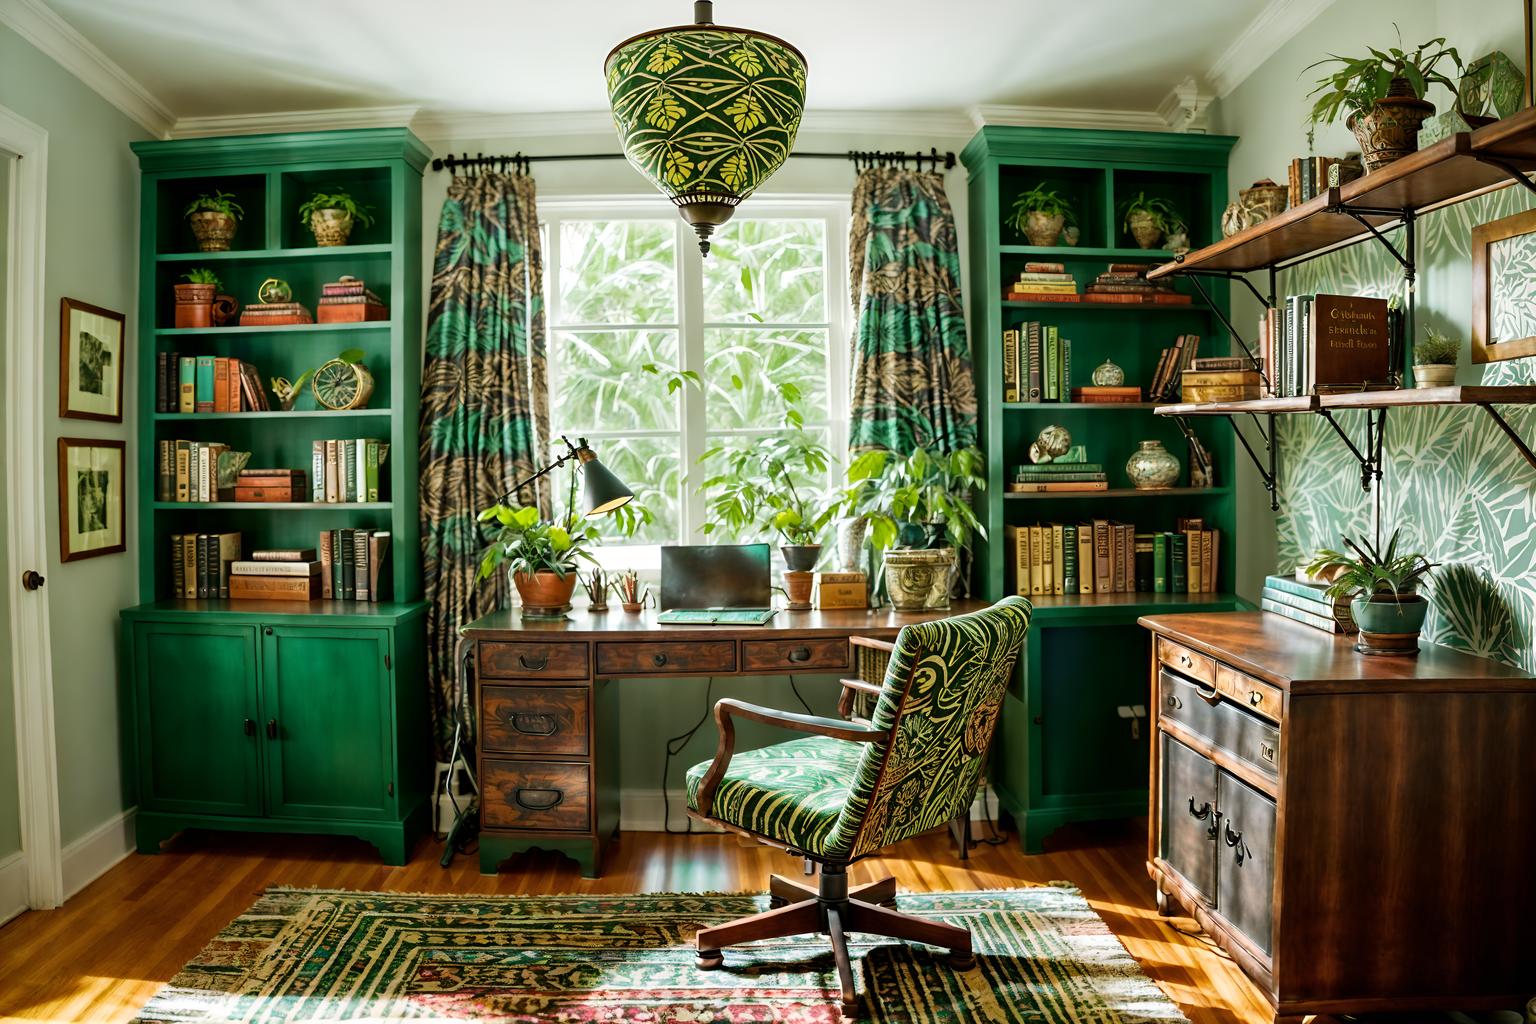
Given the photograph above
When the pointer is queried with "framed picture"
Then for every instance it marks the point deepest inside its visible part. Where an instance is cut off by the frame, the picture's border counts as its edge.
(90, 362)
(90, 497)
(1504, 288)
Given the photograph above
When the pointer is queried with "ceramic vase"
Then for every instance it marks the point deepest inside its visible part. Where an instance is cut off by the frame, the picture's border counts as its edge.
(800, 557)
(194, 305)
(1108, 375)
(331, 227)
(1043, 228)
(545, 594)
(1434, 375)
(1152, 467)
(1145, 230)
(920, 578)
(850, 543)
(1390, 130)
(1389, 624)
(213, 230)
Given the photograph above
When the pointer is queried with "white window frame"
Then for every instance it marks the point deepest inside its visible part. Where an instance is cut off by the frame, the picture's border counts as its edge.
(691, 326)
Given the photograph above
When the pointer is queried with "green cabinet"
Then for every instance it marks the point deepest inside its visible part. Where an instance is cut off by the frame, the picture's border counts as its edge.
(266, 722)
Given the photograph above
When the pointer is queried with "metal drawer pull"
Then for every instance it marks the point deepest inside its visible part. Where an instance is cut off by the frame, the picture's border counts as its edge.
(1211, 697)
(1256, 698)
(1185, 661)
(1235, 840)
(531, 724)
(1201, 814)
(541, 799)
(1174, 702)
(271, 728)
(658, 660)
(533, 664)
(250, 727)
(1267, 752)
(799, 654)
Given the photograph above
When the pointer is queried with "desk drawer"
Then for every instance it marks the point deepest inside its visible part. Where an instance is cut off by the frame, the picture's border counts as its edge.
(534, 719)
(543, 795)
(793, 655)
(1183, 660)
(499, 660)
(639, 659)
(1254, 694)
(1216, 719)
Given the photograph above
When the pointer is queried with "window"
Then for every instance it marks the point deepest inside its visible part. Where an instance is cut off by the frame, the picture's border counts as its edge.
(625, 286)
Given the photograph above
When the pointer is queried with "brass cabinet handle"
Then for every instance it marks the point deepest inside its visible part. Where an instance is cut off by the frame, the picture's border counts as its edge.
(531, 724)
(271, 728)
(538, 799)
(533, 664)
(1256, 698)
(799, 654)
(1185, 661)
(658, 660)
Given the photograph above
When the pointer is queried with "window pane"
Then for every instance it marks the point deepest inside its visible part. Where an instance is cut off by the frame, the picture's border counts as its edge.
(617, 272)
(651, 467)
(763, 358)
(770, 271)
(599, 384)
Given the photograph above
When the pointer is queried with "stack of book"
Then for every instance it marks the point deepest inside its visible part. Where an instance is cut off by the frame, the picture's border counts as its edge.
(349, 301)
(1059, 476)
(1037, 364)
(188, 471)
(271, 485)
(288, 574)
(274, 314)
(352, 564)
(1127, 283)
(206, 384)
(1171, 365)
(1313, 344)
(1307, 603)
(200, 564)
(348, 470)
(1105, 395)
(1108, 557)
(1044, 282)
(1235, 385)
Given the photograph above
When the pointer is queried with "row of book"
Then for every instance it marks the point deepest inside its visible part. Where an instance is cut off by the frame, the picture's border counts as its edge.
(206, 384)
(1307, 602)
(1311, 344)
(1037, 364)
(188, 470)
(348, 470)
(350, 567)
(1057, 476)
(1171, 364)
(1108, 557)
(1313, 175)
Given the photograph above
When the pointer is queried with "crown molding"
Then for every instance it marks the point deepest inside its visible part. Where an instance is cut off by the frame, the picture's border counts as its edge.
(55, 37)
(294, 121)
(1274, 26)
(448, 125)
(1186, 107)
(1067, 117)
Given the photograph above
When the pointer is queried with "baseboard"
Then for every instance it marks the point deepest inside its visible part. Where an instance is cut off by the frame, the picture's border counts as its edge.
(13, 886)
(95, 853)
(640, 810)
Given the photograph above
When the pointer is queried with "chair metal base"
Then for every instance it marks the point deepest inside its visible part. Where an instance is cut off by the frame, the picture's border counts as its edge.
(833, 910)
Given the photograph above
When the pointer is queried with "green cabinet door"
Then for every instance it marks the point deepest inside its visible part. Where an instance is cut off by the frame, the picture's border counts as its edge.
(328, 723)
(195, 693)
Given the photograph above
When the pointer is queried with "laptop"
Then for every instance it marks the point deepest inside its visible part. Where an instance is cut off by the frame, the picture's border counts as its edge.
(716, 584)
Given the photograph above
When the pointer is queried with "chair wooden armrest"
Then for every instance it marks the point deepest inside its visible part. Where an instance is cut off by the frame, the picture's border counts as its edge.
(875, 645)
(726, 710)
(851, 687)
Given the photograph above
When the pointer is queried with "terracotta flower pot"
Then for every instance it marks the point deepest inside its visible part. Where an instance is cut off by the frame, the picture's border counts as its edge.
(920, 578)
(1390, 130)
(1043, 228)
(213, 230)
(545, 593)
(1389, 624)
(1145, 230)
(194, 305)
(797, 588)
(331, 227)
(1434, 375)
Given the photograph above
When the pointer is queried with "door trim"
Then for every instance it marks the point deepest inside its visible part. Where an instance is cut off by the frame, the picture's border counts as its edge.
(26, 542)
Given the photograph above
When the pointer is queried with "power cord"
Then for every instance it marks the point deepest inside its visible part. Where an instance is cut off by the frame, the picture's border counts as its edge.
(801, 699)
(674, 746)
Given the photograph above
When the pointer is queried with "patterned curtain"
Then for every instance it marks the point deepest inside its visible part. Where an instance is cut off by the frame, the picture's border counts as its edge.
(911, 368)
(484, 403)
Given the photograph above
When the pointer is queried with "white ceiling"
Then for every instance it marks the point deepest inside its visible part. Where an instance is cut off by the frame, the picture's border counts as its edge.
(218, 58)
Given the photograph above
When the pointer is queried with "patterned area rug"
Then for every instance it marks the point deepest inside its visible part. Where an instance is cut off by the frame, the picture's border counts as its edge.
(307, 954)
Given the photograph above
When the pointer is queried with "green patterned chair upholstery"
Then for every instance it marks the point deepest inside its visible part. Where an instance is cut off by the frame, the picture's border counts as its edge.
(850, 788)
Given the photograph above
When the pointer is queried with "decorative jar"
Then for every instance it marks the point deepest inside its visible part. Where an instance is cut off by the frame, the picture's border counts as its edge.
(1108, 375)
(1152, 467)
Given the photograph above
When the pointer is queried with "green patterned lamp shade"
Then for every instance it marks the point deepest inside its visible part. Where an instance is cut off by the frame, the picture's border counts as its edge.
(706, 112)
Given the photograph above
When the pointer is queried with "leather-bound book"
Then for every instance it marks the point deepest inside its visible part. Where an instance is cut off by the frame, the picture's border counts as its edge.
(1350, 341)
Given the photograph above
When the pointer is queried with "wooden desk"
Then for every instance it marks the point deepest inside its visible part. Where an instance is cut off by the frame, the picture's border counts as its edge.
(1382, 797)
(548, 743)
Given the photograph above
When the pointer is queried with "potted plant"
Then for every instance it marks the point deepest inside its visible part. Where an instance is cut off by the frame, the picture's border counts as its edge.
(1149, 218)
(755, 488)
(330, 216)
(1384, 587)
(214, 219)
(542, 556)
(1434, 360)
(1039, 215)
(1382, 97)
(194, 298)
(920, 518)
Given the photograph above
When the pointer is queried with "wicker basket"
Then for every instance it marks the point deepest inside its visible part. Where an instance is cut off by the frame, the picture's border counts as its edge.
(331, 227)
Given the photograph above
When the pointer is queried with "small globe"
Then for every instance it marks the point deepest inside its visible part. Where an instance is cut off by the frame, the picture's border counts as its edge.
(1108, 375)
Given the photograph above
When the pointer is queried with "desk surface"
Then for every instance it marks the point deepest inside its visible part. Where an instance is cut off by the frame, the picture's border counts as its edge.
(617, 624)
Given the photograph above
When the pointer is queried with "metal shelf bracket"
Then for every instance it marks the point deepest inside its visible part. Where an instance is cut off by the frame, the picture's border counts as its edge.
(1226, 321)
(1375, 433)
(1509, 432)
(1515, 174)
(1267, 472)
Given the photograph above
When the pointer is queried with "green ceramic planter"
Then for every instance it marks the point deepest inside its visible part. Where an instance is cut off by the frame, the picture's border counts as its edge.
(1389, 625)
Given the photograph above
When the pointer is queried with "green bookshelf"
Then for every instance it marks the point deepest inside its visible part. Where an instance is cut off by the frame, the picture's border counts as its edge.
(1065, 752)
(266, 715)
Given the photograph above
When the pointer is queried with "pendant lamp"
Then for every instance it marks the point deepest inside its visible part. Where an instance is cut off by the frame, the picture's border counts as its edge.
(707, 112)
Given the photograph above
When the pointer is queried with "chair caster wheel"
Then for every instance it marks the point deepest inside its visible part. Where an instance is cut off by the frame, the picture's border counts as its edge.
(853, 1010)
(710, 959)
(963, 961)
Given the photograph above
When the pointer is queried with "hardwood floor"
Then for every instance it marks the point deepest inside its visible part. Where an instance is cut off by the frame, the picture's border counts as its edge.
(103, 955)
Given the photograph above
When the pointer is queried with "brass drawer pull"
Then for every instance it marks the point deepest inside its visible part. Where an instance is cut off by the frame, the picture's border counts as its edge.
(1185, 661)
(1256, 698)
(538, 799)
(1211, 697)
(658, 660)
(533, 664)
(531, 724)
(799, 654)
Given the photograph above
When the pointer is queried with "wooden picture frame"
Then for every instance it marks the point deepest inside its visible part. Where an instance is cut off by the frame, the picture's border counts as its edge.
(92, 484)
(1530, 50)
(1500, 249)
(91, 342)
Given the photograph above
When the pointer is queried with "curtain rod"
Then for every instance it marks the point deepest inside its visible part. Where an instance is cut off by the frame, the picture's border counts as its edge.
(860, 158)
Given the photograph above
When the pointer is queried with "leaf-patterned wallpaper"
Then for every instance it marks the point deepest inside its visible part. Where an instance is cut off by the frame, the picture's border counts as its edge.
(1461, 493)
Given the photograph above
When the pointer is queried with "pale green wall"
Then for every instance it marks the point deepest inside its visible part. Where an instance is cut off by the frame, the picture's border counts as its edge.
(10, 824)
(91, 238)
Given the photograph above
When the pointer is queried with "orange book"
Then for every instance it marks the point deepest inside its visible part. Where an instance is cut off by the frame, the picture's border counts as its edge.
(221, 385)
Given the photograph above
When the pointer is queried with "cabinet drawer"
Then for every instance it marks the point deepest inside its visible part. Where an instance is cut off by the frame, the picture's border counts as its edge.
(626, 659)
(533, 661)
(1205, 712)
(1190, 663)
(1245, 859)
(793, 655)
(534, 719)
(1256, 695)
(1189, 824)
(542, 795)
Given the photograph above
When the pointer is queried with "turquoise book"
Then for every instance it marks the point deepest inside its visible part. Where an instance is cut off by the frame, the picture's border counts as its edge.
(186, 385)
(203, 397)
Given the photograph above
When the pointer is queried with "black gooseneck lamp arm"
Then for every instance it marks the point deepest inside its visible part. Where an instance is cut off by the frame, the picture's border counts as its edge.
(602, 491)
(572, 451)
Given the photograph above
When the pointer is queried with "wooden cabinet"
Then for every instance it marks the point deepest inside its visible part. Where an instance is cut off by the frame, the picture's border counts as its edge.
(296, 723)
(1348, 828)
